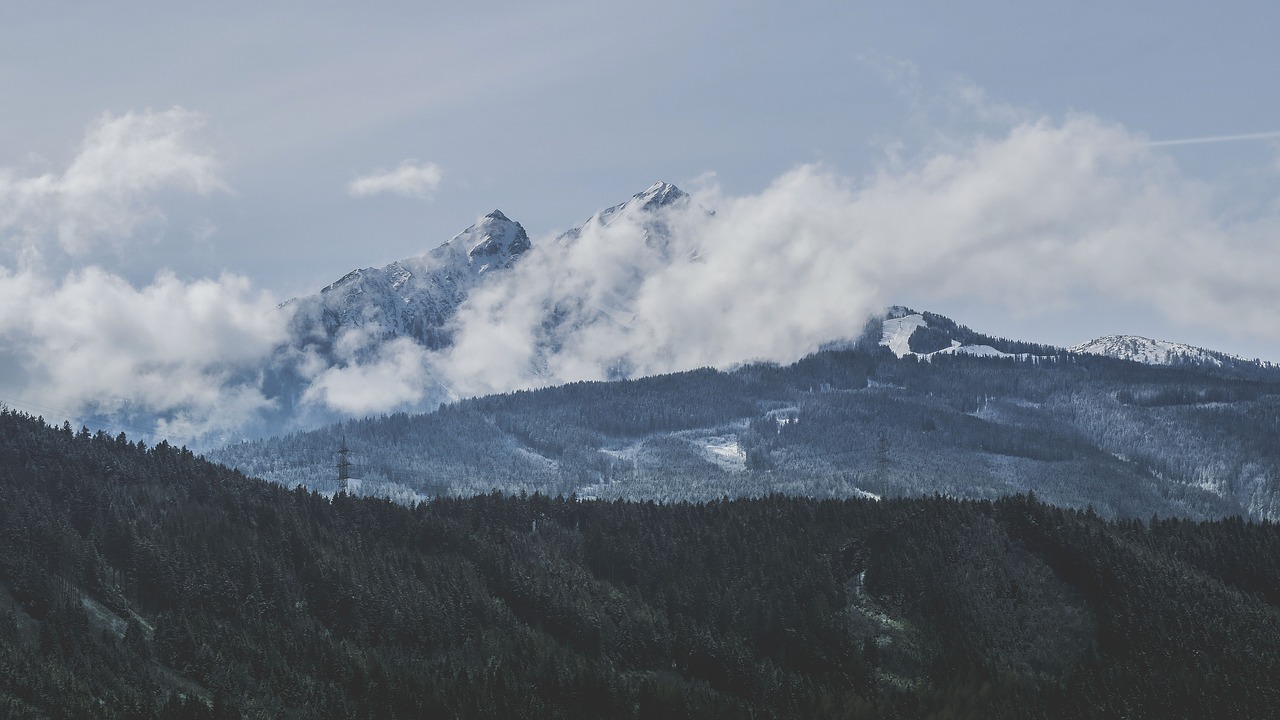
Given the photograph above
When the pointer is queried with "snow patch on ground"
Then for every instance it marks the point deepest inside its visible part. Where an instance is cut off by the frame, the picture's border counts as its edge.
(537, 457)
(897, 333)
(897, 337)
(726, 452)
(783, 417)
(977, 350)
(628, 453)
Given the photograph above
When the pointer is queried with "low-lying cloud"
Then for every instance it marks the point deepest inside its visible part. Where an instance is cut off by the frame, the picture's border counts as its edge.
(411, 179)
(190, 351)
(369, 376)
(1035, 220)
(86, 341)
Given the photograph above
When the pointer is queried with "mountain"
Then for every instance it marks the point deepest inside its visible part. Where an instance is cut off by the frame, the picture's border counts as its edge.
(393, 320)
(610, 300)
(488, 311)
(417, 297)
(872, 419)
(641, 208)
(924, 334)
(412, 298)
(144, 582)
(1161, 352)
(403, 309)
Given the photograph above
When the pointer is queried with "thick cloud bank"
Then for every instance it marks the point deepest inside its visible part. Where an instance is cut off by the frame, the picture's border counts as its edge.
(1037, 220)
(191, 351)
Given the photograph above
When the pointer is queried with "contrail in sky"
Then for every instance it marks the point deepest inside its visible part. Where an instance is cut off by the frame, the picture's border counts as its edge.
(1218, 138)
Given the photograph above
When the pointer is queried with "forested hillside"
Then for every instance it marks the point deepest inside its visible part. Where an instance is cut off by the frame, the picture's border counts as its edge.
(145, 582)
(1128, 439)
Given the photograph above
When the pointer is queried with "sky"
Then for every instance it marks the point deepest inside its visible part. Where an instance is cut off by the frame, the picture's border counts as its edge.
(1051, 172)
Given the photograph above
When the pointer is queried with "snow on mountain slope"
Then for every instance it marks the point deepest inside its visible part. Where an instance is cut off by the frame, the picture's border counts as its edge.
(901, 324)
(975, 350)
(414, 297)
(642, 207)
(923, 335)
(377, 338)
(417, 297)
(1156, 352)
(898, 331)
(624, 247)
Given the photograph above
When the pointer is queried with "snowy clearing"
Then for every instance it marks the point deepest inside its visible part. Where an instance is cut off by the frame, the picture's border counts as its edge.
(726, 452)
(897, 333)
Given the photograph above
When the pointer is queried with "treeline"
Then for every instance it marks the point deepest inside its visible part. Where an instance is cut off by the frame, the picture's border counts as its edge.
(144, 582)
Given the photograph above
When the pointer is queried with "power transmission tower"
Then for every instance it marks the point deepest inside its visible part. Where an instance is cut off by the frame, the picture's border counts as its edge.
(882, 463)
(344, 466)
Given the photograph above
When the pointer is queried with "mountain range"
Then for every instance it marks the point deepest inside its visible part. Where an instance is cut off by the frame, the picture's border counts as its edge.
(874, 530)
(913, 402)
(417, 297)
(399, 324)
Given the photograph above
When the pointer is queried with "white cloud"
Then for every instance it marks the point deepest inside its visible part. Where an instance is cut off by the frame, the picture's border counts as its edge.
(396, 376)
(1032, 219)
(191, 351)
(1043, 217)
(87, 341)
(412, 179)
(106, 192)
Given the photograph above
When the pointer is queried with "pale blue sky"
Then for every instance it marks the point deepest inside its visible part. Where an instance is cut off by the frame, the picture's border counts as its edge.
(553, 110)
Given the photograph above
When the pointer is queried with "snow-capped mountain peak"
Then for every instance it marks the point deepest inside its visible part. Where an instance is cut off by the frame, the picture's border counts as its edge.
(660, 194)
(656, 197)
(414, 297)
(640, 208)
(494, 239)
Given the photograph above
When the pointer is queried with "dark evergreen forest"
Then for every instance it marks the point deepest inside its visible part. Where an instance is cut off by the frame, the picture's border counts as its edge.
(144, 582)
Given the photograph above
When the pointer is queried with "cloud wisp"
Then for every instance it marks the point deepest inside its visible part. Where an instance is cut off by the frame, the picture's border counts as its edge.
(411, 179)
(1207, 139)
